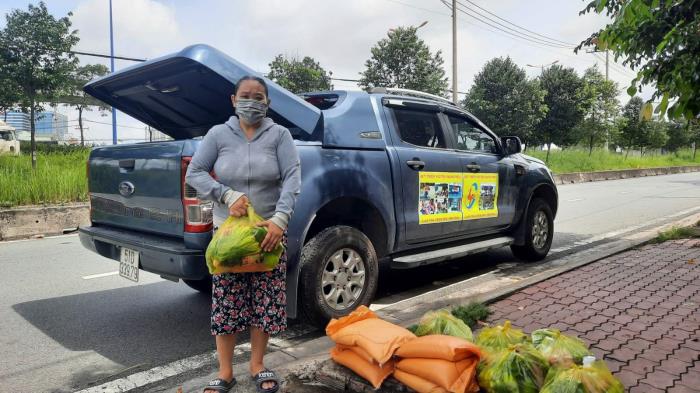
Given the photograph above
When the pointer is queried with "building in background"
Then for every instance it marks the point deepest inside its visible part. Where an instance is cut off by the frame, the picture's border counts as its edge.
(48, 126)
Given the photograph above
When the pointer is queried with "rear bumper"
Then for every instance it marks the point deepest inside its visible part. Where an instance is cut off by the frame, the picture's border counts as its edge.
(160, 255)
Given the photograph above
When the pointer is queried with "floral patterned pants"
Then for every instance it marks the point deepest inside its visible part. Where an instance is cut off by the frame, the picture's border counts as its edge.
(242, 300)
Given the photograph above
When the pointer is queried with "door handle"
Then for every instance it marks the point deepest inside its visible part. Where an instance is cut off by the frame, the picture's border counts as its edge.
(473, 167)
(416, 164)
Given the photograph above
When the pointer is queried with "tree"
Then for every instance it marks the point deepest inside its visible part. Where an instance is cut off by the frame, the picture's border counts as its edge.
(632, 131)
(79, 100)
(565, 106)
(600, 100)
(678, 136)
(505, 100)
(660, 40)
(9, 94)
(299, 76)
(402, 60)
(35, 53)
(657, 135)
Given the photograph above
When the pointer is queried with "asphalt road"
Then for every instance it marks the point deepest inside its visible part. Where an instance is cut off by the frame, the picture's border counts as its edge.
(63, 328)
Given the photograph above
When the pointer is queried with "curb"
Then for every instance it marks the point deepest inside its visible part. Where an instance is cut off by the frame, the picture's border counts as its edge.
(39, 221)
(583, 177)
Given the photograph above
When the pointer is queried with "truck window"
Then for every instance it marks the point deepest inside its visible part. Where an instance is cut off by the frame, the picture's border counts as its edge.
(420, 128)
(470, 137)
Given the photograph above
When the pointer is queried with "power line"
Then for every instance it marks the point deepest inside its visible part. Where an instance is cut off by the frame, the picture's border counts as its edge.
(75, 52)
(518, 26)
(478, 17)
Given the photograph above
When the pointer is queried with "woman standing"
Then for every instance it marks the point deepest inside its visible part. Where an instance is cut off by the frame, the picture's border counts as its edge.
(256, 162)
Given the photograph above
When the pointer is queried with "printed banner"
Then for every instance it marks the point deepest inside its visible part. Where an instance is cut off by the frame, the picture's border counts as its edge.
(446, 196)
(480, 196)
(439, 197)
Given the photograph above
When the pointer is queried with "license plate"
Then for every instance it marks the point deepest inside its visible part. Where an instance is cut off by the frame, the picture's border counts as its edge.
(129, 264)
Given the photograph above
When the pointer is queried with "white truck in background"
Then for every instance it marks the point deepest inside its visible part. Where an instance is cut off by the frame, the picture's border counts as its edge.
(9, 144)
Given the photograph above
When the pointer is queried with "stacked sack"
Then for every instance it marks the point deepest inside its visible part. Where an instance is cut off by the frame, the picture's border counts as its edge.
(440, 361)
(366, 344)
(438, 364)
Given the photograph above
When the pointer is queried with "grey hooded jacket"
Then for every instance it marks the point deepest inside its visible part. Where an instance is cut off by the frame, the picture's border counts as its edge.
(266, 169)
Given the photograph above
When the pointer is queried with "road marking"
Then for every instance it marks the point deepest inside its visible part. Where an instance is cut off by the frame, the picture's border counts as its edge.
(575, 200)
(90, 277)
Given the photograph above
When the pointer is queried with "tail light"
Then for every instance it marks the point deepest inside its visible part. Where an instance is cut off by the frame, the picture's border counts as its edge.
(198, 214)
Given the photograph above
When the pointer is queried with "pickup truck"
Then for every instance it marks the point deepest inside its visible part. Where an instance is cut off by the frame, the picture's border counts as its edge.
(390, 179)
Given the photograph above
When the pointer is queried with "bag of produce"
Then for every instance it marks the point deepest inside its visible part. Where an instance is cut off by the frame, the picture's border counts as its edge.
(500, 337)
(559, 348)
(235, 247)
(519, 368)
(443, 322)
(592, 377)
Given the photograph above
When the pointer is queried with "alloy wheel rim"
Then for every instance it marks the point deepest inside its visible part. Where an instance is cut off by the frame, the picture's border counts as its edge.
(343, 279)
(540, 230)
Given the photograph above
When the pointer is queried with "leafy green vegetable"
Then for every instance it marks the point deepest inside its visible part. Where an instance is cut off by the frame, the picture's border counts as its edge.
(519, 368)
(442, 322)
(559, 348)
(500, 337)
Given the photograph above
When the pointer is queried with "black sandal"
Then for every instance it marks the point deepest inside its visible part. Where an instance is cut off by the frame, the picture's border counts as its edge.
(220, 385)
(266, 376)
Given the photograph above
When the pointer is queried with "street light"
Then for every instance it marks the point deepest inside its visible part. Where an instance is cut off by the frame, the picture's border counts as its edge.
(417, 27)
(543, 66)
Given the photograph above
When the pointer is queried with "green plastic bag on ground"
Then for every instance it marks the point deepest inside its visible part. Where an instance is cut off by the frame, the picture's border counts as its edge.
(500, 337)
(593, 377)
(520, 368)
(559, 348)
(443, 322)
(235, 247)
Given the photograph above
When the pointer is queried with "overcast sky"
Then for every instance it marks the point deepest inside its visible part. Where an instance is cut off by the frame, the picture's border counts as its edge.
(337, 33)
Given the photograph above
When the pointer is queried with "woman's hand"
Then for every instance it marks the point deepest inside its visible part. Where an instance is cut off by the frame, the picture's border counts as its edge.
(274, 235)
(240, 207)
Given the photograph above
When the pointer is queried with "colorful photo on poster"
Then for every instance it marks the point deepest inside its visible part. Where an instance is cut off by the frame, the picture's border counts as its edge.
(480, 196)
(440, 197)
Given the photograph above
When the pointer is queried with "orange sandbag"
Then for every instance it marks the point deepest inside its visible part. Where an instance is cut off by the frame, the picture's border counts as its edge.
(357, 315)
(438, 346)
(358, 351)
(372, 372)
(416, 383)
(378, 338)
(456, 377)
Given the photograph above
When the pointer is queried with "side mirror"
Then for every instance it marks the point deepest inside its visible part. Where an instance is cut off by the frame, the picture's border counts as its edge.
(511, 145)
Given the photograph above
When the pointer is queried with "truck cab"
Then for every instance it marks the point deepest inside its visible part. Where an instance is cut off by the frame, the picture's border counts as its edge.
(390, 177)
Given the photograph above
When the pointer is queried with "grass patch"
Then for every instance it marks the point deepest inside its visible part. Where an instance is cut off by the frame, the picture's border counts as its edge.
(59, 178)
(577, 160)
(471, 313)
(676, 233)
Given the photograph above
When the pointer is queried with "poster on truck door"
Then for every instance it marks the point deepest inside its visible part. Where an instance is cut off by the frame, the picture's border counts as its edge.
(439, 197)
(480, 196)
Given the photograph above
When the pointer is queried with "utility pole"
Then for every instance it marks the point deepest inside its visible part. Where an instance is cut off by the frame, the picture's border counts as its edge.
(454, 52)
(111, 59)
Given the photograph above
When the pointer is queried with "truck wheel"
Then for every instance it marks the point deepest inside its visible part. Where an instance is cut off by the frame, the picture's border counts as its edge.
(339, 272)
(203, 285)
(538, 232)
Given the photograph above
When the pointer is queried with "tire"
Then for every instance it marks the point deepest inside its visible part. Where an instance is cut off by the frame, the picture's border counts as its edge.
(203, 285)
(539, 231)
(335, 253)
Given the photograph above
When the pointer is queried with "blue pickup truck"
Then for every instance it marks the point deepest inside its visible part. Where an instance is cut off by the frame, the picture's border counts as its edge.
(390, 178)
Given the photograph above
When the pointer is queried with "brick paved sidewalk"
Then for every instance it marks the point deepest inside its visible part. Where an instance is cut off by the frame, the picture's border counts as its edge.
(639, 311)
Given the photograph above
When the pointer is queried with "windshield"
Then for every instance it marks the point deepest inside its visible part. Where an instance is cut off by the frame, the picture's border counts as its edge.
(6, 136)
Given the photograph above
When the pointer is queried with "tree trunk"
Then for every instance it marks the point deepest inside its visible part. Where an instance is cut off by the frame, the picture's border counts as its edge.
(590, 146)
(695, 149)
(80, 124)
(627, 153)
(549, 147)
(641, 151)
(32, 128)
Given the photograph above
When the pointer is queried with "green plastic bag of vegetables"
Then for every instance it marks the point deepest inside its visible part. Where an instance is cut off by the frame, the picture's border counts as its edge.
(592, 377)
(500, 337)
(559, 348)
(520, 368)
(235, 247)
(443, 322)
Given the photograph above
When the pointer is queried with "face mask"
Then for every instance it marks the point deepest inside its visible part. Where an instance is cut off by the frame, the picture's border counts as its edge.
(251, 111)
